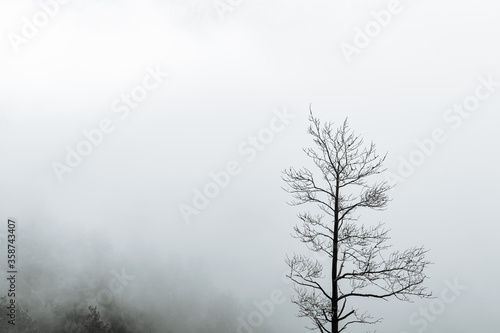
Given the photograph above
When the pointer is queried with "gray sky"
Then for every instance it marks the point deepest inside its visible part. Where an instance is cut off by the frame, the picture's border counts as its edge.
(229, 74)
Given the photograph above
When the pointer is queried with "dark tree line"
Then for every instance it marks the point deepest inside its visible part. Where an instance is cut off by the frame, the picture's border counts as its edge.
(64, 270)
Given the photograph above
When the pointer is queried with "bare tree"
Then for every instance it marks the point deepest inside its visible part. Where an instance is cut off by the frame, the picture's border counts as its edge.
(361, 264)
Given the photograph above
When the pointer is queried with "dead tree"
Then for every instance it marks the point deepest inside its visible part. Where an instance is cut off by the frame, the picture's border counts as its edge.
(361, 264)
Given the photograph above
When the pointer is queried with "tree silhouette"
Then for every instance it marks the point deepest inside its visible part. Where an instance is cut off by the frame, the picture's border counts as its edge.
(94, 323)
(361, 265)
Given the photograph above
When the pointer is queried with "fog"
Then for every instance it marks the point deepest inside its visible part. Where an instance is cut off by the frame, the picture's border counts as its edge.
(127, 226)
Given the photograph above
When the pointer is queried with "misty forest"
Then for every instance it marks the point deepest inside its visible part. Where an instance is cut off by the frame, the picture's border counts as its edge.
(83, 297)
(77, 292)
(249, 166)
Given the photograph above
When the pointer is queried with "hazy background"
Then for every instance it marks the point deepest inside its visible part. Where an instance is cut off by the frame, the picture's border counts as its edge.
(227, 75)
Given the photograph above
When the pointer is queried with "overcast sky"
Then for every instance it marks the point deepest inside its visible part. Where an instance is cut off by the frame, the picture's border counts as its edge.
(178, 88)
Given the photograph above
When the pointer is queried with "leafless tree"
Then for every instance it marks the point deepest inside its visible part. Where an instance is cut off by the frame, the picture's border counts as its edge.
(362, 266)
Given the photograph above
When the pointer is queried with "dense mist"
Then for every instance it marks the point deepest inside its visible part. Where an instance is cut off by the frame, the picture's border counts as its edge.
(143, 144)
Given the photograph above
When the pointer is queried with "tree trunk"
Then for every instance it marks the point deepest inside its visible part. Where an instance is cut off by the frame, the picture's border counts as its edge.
(335, 296)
